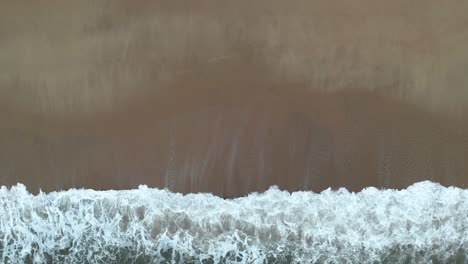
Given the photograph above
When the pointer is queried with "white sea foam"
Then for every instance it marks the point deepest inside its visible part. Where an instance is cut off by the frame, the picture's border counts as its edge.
(425, 222)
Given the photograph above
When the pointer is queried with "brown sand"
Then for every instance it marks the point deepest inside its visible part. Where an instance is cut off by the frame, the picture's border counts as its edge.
(231, 97)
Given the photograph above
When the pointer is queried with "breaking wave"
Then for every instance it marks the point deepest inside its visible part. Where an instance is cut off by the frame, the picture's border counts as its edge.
(424, 223)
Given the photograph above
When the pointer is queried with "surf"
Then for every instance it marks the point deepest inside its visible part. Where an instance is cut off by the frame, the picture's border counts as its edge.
(422, 223)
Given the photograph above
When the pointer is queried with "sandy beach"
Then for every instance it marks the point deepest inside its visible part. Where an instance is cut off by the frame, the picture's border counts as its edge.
(233, 97)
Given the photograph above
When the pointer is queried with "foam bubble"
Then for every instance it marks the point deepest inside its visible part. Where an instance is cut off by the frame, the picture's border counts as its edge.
(425, 222)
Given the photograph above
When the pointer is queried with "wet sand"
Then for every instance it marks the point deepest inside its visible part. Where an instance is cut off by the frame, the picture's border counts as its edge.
(235, 97)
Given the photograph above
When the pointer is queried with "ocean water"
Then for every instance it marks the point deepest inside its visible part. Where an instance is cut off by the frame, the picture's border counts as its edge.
(425, 223)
